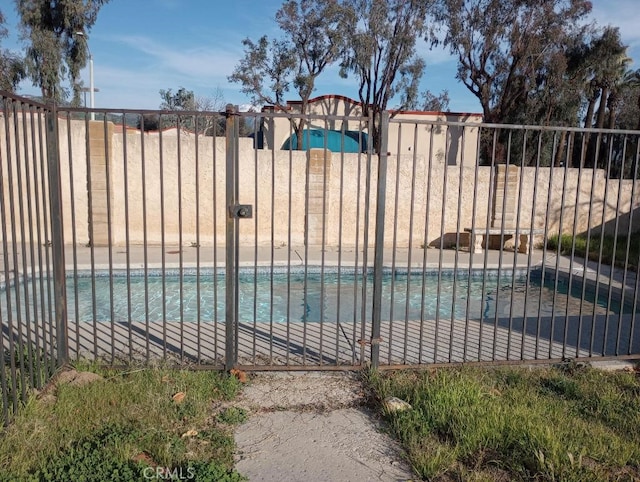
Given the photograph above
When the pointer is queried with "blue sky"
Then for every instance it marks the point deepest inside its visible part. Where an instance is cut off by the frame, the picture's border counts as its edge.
(142, 46)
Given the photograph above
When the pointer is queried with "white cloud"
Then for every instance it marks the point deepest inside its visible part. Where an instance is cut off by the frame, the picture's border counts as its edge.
(199, 62)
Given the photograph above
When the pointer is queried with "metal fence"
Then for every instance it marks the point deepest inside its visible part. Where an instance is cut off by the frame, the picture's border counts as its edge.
(32, 265)
(206, 239)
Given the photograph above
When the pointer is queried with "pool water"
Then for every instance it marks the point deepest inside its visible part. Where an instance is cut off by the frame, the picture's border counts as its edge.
(329, 297)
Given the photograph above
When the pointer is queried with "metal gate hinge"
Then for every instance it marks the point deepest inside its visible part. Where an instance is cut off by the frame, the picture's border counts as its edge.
(241, 211)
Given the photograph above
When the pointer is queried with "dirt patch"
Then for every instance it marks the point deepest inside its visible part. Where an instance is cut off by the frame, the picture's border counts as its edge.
(71, 377)
(75, 378)
(310, 426)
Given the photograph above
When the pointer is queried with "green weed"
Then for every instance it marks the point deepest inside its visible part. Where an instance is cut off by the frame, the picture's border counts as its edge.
(544, 424)
(113, 428)
(597, 243)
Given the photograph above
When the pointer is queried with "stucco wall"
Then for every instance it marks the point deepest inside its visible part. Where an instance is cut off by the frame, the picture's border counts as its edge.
(182, 193)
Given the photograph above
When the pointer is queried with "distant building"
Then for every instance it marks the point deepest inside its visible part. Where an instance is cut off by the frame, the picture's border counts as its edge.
(339, 127)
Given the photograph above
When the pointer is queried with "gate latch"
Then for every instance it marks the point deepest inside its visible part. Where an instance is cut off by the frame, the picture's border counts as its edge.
(241, 211)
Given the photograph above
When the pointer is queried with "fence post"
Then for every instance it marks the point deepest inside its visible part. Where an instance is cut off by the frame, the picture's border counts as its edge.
(57, 237)
(231, 285)
(379, 240)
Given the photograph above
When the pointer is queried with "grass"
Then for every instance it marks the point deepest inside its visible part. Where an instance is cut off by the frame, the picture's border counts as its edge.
(126, 426)
(566, 423)
(621, 242)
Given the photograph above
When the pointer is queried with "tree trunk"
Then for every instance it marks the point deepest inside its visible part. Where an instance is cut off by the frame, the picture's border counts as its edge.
(602, 108)
(561, 149)
(612, 104)
(588, 120)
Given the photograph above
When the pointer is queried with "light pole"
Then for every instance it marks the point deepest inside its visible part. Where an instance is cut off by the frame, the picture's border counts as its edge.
(92, 102)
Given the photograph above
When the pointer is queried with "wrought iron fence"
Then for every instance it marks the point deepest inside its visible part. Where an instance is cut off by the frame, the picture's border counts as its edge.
(32, 267)
(240, 239)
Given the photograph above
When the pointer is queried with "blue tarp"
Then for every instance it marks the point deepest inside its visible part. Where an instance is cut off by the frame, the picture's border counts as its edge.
(335, 141)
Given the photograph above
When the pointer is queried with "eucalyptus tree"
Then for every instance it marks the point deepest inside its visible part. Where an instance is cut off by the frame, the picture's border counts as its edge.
(382, 54)
(507, 50)
(313, 36)
(11, 65)
(54, 52)
(511, 55)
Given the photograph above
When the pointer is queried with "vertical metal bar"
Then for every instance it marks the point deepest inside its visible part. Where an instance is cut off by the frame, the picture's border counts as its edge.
(272, 247)
(339, 273)
(325, 154)
(610, 175)
(180, 236)
(231, 242)
(107, 170)
(474, 208)
(92, 254)
(600, 250)
(365, 243)
(127, 241)
(394, 246)
(614, 248)
(57, 237)
(636, 161)
(570, 141)
(634, 305)
(532, 226)
(544, 247)
(454, 291)
(4, 386)
(236, 137)
(74, 237)
(255, 254)
(557, 268)
(489, 222)
(501, 251)
(162, 243)
(197, 242)
(363, 297)
(305, 284)
(379, 240)
(585, 144)
(145, 238)
(214, 190)
(514, 271)
(423, 294)
(32, 305)
(289, 248)
(587, 250)
(36, 265)
(443, 211)
(50, 326)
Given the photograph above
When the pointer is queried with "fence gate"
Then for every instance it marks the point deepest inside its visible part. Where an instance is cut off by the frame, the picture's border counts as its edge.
(300, 241)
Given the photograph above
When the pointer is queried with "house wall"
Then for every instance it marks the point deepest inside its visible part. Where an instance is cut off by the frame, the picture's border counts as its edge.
(409, 131)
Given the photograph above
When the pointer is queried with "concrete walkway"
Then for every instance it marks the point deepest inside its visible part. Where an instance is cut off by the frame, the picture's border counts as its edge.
(314, 427)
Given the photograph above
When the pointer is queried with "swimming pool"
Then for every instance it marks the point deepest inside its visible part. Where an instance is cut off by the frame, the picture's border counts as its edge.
(315, 297)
